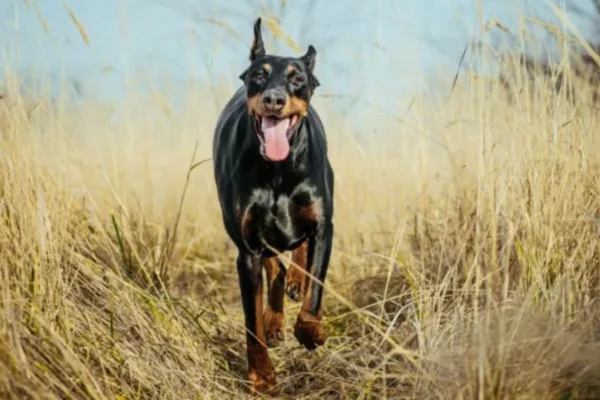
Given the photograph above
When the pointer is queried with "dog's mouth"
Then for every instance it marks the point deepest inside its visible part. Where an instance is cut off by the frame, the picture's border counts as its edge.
(274, 134)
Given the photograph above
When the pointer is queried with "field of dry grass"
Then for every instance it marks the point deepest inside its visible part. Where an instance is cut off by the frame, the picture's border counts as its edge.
(466, 262)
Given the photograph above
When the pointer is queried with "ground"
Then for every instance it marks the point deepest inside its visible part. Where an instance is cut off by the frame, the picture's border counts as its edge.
(465, 263)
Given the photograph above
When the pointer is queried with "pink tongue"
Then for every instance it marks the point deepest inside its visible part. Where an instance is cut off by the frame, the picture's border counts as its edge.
(277, 146)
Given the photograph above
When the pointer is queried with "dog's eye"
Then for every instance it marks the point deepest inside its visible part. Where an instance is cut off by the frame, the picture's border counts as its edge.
(297, 80)
(259, 77)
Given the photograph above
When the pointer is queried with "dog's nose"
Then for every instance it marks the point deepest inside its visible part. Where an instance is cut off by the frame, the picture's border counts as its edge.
(274, 100)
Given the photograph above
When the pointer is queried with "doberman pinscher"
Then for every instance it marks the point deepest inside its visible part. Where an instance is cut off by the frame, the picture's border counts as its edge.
(275, 189)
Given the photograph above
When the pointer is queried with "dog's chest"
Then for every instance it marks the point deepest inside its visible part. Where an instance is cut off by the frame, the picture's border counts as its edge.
(276, 212)
(279, 219)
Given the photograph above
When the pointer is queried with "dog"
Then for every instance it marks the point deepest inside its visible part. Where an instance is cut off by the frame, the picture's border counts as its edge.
(275, 189)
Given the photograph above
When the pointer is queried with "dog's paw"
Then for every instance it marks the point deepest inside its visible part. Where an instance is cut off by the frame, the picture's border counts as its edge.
(294, 290)
(309, 330)
(274, 322)
(262, 382)
(261, 373)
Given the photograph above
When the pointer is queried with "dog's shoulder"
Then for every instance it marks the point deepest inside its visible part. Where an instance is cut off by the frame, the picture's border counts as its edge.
(316, 128)
(227, 123)
(235, 108)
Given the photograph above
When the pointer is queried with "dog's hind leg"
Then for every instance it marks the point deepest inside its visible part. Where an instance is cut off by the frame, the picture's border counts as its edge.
(260, 369)
(274, 316)
(295, 279)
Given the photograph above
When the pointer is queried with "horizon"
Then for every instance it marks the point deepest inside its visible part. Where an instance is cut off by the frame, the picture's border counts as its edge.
(404, 50)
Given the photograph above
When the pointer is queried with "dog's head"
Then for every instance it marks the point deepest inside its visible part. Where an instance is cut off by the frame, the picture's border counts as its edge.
(278, 91)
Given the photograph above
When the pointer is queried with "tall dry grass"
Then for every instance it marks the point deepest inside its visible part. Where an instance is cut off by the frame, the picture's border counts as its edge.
(466, 261)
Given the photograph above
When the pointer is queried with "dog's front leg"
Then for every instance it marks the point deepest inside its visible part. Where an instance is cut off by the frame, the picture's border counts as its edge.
(274, 316)
(308, 329)
(260, 368)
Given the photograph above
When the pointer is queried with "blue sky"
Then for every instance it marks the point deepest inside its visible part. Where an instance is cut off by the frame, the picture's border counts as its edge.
(370, 50)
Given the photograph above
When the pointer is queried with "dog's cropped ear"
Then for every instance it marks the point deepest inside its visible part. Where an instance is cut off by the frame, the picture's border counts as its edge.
(258, 46)
(309, 59)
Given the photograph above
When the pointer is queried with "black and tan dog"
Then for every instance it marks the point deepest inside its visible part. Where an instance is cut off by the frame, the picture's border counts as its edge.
(275, 188)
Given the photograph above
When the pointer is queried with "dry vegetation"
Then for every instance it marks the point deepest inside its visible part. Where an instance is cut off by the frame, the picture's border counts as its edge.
(466, 261)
